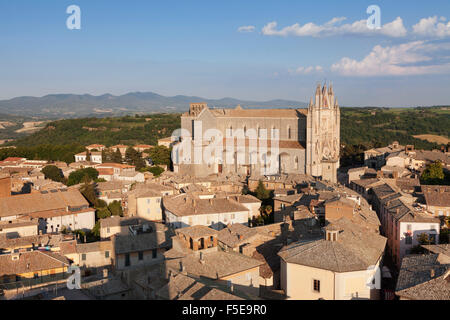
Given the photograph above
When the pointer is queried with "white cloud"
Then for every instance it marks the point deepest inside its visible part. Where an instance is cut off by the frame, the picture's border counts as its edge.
(432, 28)
(246, 29)
(412, 58)
(334, 27)
(306, 70)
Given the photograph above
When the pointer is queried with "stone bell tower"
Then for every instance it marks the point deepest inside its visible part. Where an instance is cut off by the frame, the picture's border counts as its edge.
(323, 135)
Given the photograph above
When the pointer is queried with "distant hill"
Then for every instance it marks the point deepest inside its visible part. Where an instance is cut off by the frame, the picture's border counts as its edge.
(58, 106)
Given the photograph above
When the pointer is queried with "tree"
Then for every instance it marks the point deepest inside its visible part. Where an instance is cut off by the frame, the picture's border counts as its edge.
(103, 213)
(101, 203)
(160, 155)
(88, 191)
(259, 221)
(433, 174)
(156, 171)
(96, 229)
(261, 192)
(245, 190)
(133, 157)
(115, 208)
(53, 173)
(82, 175)
(116, 156)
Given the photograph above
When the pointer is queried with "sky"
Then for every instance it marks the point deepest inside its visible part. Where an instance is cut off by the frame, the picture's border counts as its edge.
(255, 50)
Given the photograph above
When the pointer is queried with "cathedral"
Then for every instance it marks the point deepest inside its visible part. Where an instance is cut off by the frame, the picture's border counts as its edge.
(261, 141)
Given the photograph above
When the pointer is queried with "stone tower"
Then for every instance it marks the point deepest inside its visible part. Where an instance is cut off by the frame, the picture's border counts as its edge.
(323, 135)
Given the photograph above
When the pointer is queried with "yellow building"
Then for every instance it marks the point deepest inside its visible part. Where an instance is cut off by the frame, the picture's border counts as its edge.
(342, 265)
(32, 265)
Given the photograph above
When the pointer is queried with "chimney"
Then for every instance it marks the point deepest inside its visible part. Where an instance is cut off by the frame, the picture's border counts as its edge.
(331, 235)
(241, 237)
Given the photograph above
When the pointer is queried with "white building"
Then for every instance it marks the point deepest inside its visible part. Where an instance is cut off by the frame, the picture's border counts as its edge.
(96, 157)
(185, 210)
(119, 172)
(53, 210)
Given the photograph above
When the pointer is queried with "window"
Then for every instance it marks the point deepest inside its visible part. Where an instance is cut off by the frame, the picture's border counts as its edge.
(408, 227)
(83, 256)
(316, 285)
(106, 254)
(148, 201)
(127, 259)
(141, 255)
(154, 253)
(289, 132)
(108, 230)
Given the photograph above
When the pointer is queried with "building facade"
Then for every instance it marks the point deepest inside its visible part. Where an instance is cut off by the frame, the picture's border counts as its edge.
(261, 141)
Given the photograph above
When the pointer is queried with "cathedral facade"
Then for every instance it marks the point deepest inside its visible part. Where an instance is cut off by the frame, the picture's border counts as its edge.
(261, 141)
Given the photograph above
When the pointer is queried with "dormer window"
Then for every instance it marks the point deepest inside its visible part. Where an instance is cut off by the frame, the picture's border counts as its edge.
(332, 235)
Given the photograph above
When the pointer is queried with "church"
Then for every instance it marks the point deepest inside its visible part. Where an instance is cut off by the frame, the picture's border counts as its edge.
(261, 141)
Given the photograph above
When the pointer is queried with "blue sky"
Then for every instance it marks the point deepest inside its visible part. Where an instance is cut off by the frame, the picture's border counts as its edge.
(196, 48)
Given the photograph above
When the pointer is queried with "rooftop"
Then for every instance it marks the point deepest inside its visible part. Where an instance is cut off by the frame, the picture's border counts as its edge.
(438, 196)
(236, 234)
(424, 277)
(186, 205)
(215, 265)
(142, 242)
(27, 204)
(198, 231)
(355, 249)
(31, 261)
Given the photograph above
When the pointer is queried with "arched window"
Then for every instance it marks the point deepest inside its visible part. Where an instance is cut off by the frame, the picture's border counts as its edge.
(289, 132)
(296, 163)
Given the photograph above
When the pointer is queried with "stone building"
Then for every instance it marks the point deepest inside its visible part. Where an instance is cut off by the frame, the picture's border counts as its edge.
(261, 141)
